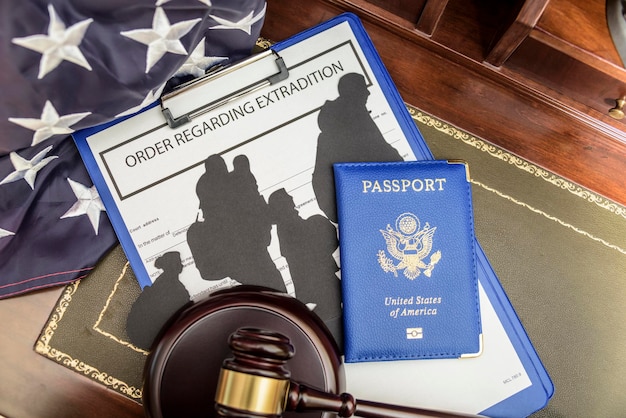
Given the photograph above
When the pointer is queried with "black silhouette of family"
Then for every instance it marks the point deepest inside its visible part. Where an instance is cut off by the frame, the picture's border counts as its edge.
(233, 229)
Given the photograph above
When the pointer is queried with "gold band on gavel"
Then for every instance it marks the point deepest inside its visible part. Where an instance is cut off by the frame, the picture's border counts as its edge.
(247, 392)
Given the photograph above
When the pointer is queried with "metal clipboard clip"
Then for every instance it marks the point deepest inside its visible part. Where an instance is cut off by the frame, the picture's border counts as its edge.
(263, 63)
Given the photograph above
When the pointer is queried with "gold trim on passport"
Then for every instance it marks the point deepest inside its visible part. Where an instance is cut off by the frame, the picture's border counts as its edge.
(251, 393)
(467, 170)
(480, 349)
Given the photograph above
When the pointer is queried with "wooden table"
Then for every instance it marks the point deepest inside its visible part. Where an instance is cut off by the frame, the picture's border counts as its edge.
(430, 76)
(33, 386)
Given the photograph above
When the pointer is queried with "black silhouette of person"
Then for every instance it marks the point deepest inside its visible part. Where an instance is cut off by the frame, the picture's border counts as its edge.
(231, 237)
(308, 246)
(348, 134)
(157, 303)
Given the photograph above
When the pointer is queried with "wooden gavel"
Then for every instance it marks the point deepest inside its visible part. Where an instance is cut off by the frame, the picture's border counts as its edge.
(256, 383)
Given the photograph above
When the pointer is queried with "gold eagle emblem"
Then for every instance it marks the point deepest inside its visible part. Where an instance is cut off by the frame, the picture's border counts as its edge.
(410, 245)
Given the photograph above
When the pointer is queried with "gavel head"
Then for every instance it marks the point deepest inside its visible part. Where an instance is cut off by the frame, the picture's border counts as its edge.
(183, 368)
(254, 382)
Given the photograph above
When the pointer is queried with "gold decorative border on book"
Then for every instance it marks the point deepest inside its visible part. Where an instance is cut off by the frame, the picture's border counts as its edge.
(518, 162)
(43, 344)
(96, 326)
(263, 43)
(44, 348)
(552, 218)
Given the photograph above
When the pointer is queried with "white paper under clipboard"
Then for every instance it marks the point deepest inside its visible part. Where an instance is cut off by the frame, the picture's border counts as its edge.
(146, 169)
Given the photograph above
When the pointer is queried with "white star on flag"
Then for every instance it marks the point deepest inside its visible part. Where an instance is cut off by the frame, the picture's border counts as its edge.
(60, 44)
(244, 24)
(5, 233)
(197, 63)
(50, 123)
(87, 203)
(162, 37)
(27, 169)
(151, 97)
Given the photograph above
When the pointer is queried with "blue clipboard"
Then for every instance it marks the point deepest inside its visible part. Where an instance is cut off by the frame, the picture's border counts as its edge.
(522, 403)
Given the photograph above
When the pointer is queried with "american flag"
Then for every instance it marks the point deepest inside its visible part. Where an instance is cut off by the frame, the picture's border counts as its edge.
(72, 64)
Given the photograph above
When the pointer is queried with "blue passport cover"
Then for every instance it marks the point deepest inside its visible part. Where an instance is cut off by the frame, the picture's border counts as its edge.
(408, 263)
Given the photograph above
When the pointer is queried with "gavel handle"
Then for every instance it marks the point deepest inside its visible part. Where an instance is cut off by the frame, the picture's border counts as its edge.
(302, 398)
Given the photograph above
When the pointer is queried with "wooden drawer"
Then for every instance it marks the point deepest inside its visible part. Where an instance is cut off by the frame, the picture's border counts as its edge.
(580, 79)
(407, 10)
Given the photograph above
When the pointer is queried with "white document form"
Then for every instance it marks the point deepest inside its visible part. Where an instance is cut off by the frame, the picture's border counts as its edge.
(152, 170)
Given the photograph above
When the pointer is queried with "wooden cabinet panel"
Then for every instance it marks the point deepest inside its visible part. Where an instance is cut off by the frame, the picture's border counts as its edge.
(583, 24)
(514, 33)
(501, 105)
(570, 56)
(408, 10)
(594, 86)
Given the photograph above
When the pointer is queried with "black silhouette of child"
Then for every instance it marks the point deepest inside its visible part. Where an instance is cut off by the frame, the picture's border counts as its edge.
(157, 303)
(232, 236)
(348, 133)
